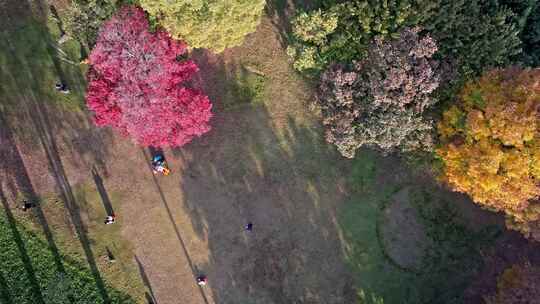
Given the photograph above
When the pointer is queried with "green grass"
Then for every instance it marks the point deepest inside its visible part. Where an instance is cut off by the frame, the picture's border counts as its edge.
(448, 264)
(29, 274)
(245, 87)
(31, 64)
(123, 274)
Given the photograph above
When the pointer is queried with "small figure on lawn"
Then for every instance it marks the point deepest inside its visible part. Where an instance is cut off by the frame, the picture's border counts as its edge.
(202, 280)
(249, 227)
(110, 256)
(27, 205)
(61, 87)
(159, 165)
(110, 219)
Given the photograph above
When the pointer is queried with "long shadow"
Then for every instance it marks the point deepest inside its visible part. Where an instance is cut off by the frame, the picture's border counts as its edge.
(42, 125)
(44, 131)
(171, 218)
(13, 166)
(5, 295)
(29, 61)
(149, 298)
(284, 184)
(145, 279)
(102, 192)
(32, 280)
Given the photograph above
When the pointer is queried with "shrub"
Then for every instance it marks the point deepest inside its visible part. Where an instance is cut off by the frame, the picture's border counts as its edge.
(212, 24)
(136, 83)
(491, 147)
(380, 100)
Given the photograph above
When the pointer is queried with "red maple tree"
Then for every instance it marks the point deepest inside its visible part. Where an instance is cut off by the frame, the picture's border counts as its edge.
(136, 83)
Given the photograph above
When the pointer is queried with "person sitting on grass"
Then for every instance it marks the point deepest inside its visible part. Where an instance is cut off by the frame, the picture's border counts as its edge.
(158, 165)
(61, 87)
(157, 162)
(202, 280)
(110, 219)
(27, 205)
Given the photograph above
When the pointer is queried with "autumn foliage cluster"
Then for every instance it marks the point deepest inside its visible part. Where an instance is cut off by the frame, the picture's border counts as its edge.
(491, 144)
(137, 83)
(380, 100)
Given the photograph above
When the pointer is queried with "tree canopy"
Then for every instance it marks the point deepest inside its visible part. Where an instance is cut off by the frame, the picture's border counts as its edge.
(136, 83)
(212, 24)
(379, 101)
(490, 143)
(474, 33)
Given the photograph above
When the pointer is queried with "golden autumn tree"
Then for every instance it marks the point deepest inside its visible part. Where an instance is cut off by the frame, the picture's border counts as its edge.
(490, 144)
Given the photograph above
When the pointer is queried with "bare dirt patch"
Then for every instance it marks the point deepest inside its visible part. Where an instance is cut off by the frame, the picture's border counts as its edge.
(404, 237)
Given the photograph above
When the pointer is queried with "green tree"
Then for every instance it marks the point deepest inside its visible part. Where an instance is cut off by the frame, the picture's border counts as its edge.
(527, 17)
(212, 24)
(478, 34)
(342, 32)
(84, 18)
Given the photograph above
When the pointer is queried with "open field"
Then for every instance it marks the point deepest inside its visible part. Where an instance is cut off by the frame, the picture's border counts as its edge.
(326, 229)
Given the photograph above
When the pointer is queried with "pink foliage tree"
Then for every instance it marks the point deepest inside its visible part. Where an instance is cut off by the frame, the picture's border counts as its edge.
(136, 83)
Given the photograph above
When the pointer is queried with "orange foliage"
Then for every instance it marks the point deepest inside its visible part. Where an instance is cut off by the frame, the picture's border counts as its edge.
(491, 143)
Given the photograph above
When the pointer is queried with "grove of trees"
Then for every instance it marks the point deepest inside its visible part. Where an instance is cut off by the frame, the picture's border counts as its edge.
(137, 83)
(382, 65)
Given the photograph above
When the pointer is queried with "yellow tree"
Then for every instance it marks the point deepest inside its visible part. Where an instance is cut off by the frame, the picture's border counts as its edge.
(490, 144)
(212, 24)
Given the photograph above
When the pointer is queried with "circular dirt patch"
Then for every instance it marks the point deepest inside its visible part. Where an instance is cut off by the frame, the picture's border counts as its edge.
(402, 235)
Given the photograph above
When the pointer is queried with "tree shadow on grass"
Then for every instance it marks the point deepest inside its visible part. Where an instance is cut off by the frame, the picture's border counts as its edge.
(450, 256)
(17, 179)
(32, 281)
(283, 180)
(184, 250)
(102, 191)
(150, 297)
(26, 73)
(30, 65)
(4, 291)
(42, 125)
(75, 285)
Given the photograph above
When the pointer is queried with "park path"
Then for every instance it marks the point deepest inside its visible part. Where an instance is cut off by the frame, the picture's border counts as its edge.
(154, 222)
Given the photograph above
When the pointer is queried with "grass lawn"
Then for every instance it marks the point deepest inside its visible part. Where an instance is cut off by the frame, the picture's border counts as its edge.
(29, 272)
(31, 63)
(449, 258)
